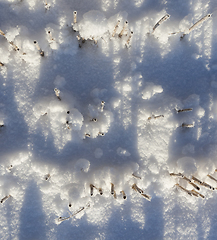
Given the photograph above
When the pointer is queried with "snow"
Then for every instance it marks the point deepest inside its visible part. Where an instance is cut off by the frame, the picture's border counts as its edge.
(106, 104)
(93, 25)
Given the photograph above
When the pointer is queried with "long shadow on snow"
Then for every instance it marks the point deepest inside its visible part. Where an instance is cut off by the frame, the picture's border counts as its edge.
(121, 224)
(210, 206)
(82, 231)
(14, 134)
(86, 70)
(177, 72)
(32, 217)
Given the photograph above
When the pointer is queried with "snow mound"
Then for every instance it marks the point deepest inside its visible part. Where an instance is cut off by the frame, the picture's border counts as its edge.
(93, 25)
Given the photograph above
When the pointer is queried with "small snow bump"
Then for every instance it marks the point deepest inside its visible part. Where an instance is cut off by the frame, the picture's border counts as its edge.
(123, 152)
(98, 153)
(82, 165)
(151, 90)
(59, 81)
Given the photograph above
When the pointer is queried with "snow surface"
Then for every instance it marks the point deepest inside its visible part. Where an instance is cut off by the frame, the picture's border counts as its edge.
(96, 102)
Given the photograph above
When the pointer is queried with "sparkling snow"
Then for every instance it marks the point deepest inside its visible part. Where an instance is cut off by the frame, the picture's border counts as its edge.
(105, 106)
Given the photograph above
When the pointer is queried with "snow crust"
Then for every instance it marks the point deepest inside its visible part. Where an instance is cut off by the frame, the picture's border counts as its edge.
(106, 121)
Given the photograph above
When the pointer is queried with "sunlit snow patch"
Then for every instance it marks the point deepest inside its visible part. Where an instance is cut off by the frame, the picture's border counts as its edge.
(187, 165)
(82, 165)
(93, 25)
(151, 90)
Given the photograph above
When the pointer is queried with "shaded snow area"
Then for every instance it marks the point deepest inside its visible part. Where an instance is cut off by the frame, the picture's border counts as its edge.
(108, 119)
